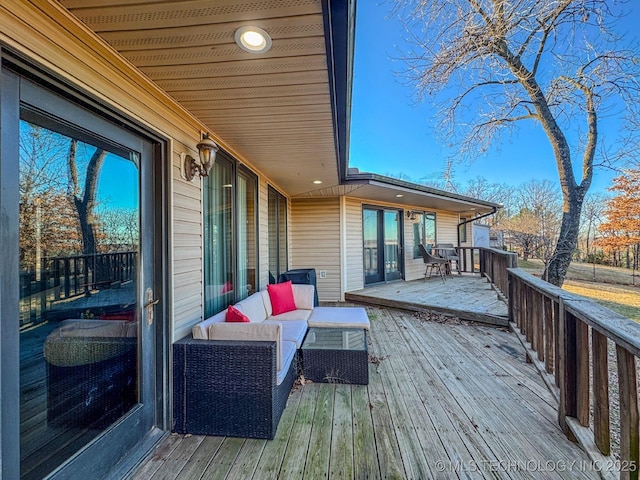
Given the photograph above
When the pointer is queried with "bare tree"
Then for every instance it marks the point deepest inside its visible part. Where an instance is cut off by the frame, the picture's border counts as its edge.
(48, 224)
(120, 229)
(535, 226)
(592, 216)
(85, 199)
(501, 193)
(498, 63)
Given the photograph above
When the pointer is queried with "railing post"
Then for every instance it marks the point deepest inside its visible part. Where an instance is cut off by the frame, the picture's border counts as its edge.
(67, 279)
(601, 429)
(628, 391)
(567, 366)
(44, 280)
(510, 297)
(549, 335)
(582, 372)
(557, 340)
(56, 278)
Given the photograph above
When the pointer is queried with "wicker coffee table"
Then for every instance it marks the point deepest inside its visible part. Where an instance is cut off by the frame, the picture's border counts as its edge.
(336, 355)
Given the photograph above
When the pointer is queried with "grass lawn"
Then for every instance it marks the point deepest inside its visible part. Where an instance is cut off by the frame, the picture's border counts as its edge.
(610, 286)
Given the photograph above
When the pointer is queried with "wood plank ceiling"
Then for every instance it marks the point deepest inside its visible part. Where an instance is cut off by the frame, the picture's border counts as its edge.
(274, 109)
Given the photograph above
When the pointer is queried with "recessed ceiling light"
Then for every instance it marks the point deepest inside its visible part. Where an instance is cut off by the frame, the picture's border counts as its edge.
(253, 39)
(399, 195)
(317, 182)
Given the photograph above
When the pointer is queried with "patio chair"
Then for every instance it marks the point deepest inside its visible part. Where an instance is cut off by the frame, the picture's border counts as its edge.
(432, 262)
(450, 254)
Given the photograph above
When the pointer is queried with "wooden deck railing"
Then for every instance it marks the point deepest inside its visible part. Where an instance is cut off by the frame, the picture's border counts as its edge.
(490, 262)
(72, 276)
(569, 339)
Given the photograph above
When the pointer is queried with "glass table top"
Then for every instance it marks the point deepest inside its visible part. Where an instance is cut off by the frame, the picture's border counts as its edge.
(335, 339)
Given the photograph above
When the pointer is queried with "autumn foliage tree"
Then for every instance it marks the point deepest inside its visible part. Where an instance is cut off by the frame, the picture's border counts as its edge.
(621, 230)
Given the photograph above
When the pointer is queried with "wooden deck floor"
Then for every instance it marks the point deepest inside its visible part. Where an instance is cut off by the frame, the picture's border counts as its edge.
(466, 296)
(445, 401)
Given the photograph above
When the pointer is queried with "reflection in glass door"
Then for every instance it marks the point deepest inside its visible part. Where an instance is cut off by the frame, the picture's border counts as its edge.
(373, 260)
(392, 257)
(79, 243)
(86, 223)
(382, 247)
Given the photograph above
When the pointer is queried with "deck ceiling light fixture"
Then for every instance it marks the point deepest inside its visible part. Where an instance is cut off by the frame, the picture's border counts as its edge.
(253, 39)
(207, 150)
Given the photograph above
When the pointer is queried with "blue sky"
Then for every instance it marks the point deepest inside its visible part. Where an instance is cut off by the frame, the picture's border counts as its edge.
(390, 132)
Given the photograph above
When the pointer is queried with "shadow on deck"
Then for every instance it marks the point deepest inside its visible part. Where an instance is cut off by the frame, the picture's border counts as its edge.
(444, 400)
(464, 296)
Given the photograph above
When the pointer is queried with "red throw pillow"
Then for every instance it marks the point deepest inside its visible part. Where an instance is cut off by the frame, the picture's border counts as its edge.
(235, 315)
(281, 296)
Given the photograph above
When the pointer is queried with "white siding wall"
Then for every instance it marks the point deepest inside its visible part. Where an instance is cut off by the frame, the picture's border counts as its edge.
(187, 252)
(414, 267)
(447, 227)
(314, 233)
(354, 270)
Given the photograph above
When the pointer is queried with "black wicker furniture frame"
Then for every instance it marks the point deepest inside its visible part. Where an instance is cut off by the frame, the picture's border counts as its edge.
(336, 355)
(228, 388)
(96, 392)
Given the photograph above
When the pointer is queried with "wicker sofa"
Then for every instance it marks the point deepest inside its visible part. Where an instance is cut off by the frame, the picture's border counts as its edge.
(91, 372)
(233, 379)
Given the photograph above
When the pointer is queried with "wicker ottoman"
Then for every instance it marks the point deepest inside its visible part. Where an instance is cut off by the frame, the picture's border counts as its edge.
(336, 355)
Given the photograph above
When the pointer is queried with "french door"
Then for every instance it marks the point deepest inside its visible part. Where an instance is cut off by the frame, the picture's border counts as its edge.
(382, 247)
(80, 290)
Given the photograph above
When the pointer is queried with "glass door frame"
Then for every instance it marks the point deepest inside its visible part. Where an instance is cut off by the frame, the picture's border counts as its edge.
(382, 275)
(99, 455)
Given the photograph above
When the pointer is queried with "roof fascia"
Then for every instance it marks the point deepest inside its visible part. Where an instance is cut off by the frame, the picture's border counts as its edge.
(382, 181)
(339, 27)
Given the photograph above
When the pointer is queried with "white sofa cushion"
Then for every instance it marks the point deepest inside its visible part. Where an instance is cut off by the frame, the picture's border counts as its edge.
(288, 351)
(200, 330)
(253, 307)
(255, 332)
(95, 328)
(339, 317)
(266, 301)
(292, 330)
(298, 314)
(303, 295)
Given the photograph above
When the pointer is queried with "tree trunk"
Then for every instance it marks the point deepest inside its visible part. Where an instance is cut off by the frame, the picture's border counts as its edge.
(87, 228)
(567, 241)
(85, 203)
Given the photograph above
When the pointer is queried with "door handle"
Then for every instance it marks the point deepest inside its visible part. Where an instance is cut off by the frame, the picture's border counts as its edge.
(151, 303)
(148, 306)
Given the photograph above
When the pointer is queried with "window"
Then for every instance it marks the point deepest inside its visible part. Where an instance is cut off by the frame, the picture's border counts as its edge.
(462, 230)
(424, 231)
(277, 234)
(230, 234)
(247, 185)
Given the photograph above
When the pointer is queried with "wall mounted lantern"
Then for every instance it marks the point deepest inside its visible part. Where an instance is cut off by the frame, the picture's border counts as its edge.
(207, 150)
(413, 216)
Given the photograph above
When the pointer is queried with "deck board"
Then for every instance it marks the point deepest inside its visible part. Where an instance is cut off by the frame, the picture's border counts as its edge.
(469, 297)
(317, 461)
(447, 400)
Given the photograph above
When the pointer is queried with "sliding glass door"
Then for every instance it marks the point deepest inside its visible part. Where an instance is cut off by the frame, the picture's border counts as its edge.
(85, 234)
(278, 253)
(382, 244)
(230, 234)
